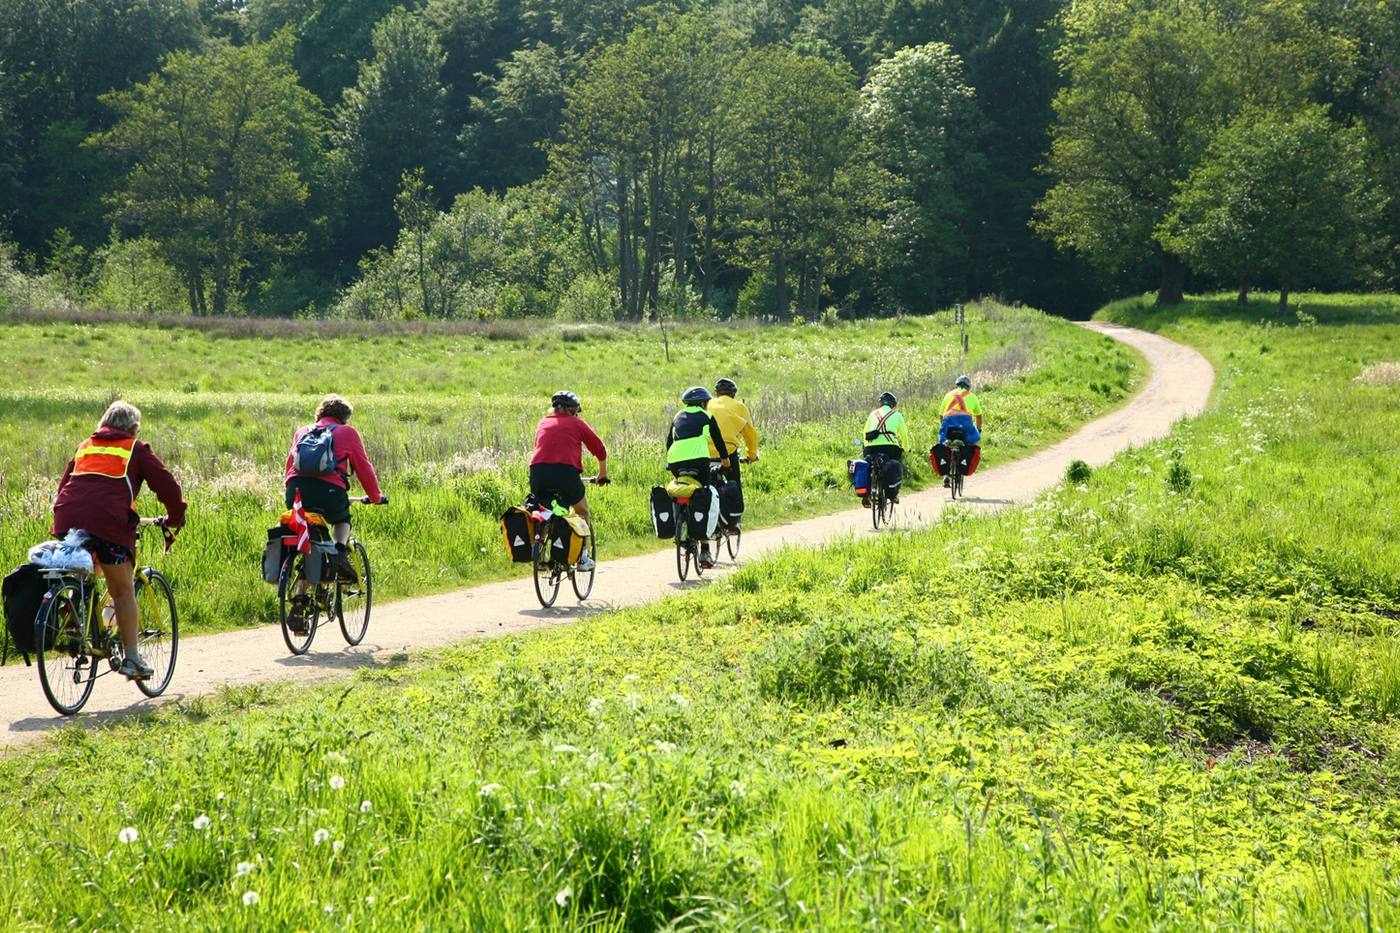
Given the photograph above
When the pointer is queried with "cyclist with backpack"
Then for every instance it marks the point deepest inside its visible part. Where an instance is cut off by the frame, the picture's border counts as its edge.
(556, 467)
(736, 425)
(692, 436)
(98, 494)
(887, 435)
(324, 455)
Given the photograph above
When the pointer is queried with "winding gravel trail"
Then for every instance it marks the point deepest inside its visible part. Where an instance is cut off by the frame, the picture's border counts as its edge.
(1178, 386)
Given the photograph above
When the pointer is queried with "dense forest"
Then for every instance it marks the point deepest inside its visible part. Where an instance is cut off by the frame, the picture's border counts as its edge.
(601, 159)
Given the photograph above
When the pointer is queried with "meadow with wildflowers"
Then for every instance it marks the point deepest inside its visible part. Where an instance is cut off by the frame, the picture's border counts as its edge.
(448, 414)
(1164, 696)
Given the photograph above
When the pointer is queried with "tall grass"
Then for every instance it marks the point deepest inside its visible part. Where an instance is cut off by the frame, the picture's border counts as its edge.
(449, 417)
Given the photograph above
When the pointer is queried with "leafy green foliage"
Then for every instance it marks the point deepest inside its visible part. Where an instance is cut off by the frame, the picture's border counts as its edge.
(217, 143)
(1279, 199)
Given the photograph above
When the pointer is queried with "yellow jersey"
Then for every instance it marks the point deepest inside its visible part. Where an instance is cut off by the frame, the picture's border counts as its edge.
(735, 424)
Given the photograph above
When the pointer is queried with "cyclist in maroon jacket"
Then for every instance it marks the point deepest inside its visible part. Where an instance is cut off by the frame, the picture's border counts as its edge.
(556, 468)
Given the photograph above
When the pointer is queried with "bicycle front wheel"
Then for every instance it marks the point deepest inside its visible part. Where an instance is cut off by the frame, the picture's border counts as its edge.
(159, 638)
(877, 507)
(682, 556)
(295, 595)
(582, 580)
(67, 669)
(352, 599)
(731, 542)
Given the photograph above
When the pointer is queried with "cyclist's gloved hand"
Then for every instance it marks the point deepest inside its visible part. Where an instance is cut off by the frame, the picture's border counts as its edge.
(601, 481)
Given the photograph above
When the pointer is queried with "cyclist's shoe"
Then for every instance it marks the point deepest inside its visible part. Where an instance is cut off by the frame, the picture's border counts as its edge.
(894, 499)
(947, 482)
(707, 560)
(296, 618)
(585, 562)
(865, 501)
(135, 669)
(344, 569)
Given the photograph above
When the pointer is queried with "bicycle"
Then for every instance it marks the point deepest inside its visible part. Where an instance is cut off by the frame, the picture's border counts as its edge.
(549, 569)
(329, 593)
(881, 508)
(955, 474)
(74, 635)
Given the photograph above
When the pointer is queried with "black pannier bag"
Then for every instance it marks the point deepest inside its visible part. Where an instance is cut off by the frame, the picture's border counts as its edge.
(892, 475)
(663, 513)
(518, 530)
(704, 513)
(731, 502)
(23, 591)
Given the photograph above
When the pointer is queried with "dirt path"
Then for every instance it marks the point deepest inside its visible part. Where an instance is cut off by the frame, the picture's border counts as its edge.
(1178, 386)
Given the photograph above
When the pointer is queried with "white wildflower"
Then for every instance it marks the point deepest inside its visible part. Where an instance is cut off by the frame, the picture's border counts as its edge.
(320, 836)
(366, 806)
(564, 747)
(562, 896)
(201, 822)
(250, 898)
(128, 835)
(665, 747)
(337, 782)
(337, 846)
(243, 868)
(595, 705)
(488, 790)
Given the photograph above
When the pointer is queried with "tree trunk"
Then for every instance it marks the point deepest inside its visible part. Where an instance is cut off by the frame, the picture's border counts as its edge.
(1172, 284)
(624, 272)
(1243, 296)
(780, 296)
(1283, 293)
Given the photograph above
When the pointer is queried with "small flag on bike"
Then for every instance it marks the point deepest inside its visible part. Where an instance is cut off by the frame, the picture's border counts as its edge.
(300, 525)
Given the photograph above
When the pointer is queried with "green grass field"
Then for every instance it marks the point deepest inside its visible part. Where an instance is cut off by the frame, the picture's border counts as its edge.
(1164, 698)
(449, 420)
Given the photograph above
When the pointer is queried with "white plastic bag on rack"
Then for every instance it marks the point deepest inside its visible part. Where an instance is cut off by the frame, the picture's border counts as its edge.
(69, 554)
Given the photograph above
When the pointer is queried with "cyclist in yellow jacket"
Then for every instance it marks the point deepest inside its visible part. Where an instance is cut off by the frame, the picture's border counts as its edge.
(736, 425)
(887, 434)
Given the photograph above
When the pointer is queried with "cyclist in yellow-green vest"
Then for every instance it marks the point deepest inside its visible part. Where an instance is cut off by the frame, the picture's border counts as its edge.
(688, 442)
(887, 436)
(692, 432)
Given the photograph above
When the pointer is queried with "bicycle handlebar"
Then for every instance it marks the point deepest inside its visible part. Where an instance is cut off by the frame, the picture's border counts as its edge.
(366, 500)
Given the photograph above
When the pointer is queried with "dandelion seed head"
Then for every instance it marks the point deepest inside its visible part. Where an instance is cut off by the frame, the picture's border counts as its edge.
(366, 806)
(337, 846)
(128, 835)
(201, 822)
(243, 868)
(320, 836)
(562, 896)
(488, 790)
(337, 782)
(250, 898)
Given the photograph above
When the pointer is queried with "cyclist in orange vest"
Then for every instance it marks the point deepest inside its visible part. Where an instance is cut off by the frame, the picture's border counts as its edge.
(98, 495)
(961, 409)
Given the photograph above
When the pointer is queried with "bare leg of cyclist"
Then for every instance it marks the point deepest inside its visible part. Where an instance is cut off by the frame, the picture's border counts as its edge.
(121, 586)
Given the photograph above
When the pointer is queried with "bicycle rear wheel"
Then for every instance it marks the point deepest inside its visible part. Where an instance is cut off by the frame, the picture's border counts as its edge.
(682, 553)
(159, 639)
(731, 542)
(582, 580)
(546, 576)
(67, 669)
(352, 600)
(877, 505)
(289, 586)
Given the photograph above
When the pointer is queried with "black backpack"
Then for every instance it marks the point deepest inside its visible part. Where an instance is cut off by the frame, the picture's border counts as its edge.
(314, 454)
(23, 592)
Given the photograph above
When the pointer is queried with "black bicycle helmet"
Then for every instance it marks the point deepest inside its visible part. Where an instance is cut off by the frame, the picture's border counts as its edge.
(726, 387)
(566, 401)
(696, 395)
(964, 382)
(887, 398)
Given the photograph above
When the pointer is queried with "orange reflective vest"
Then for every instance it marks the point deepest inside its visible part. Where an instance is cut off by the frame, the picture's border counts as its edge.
(957, 405)
(111, 458)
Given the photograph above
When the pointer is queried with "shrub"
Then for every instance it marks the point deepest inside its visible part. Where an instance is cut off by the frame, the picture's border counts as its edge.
(1077, 473)
(589, 297)
(830, 662)
(1178, 474)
